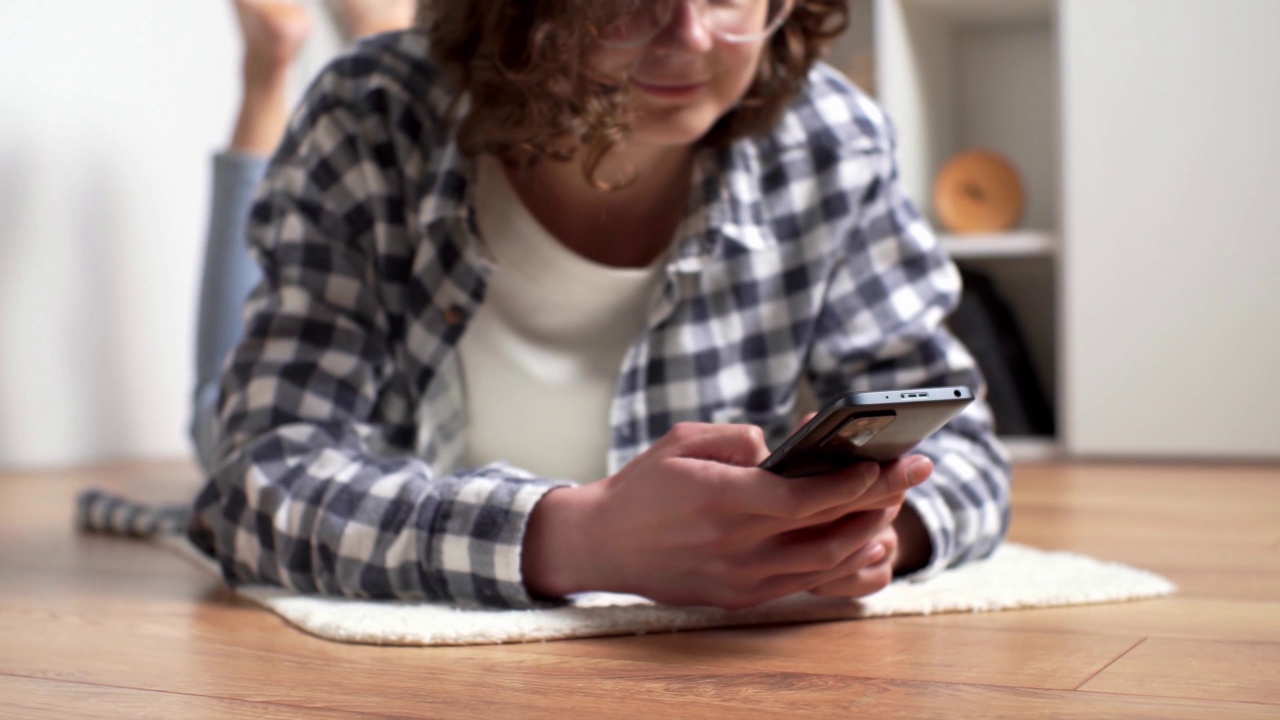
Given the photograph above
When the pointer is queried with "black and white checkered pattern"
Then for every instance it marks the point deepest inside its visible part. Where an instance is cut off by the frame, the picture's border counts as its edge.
(102, 512)
(341, 415)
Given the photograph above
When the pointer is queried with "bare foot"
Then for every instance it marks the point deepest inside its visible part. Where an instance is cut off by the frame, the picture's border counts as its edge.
(274, 32)
(361, 18)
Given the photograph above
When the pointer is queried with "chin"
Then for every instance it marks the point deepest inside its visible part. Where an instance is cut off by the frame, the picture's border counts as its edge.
(665, 138)
(671, 131)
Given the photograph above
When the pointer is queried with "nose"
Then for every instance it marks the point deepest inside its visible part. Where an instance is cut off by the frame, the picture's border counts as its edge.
(685, 32)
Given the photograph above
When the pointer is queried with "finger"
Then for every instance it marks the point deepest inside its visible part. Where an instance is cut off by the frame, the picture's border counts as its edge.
(871, 577)
(866, 581)
(894, 479)
(738, 445)
(869, 555)
(862, 486)
(824, 547)
(835, 513)
(864, 571)
(804, 421)
(769, 495)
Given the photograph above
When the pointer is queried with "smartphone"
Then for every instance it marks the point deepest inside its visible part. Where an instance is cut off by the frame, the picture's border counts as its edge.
(868, 426)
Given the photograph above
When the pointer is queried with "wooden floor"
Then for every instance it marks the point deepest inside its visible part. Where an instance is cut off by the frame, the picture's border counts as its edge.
(102, 627)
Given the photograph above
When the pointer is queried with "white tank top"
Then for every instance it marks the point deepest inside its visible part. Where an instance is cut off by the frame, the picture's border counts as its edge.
(541, 357)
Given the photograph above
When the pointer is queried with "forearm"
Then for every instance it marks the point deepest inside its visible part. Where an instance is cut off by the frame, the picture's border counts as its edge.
(303, 510)
(914, 546)
(964, 506)
(553, 561)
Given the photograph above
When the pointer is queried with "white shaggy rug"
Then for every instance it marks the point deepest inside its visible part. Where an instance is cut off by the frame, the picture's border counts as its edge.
(1016, 576)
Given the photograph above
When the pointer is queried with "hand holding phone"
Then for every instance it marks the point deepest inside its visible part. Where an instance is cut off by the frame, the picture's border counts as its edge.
(877, 426)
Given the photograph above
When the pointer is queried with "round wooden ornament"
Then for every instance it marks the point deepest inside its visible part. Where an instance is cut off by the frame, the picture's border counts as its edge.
(978, 191)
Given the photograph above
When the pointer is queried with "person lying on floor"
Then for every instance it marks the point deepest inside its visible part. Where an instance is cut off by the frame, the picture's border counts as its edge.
(540, 283)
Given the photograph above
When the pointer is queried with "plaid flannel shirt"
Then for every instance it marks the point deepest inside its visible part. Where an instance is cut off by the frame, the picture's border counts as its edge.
(342, 414)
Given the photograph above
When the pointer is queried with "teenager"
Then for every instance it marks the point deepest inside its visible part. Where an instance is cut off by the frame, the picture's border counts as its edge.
(539, 285)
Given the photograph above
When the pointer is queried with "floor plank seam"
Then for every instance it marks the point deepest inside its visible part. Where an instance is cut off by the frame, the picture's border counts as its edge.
(1109, 664)
(1186, 698)
(265, 703)
(1213, 640)
(861, 678)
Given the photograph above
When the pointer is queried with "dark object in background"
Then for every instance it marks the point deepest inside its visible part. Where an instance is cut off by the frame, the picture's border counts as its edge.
(986, 325)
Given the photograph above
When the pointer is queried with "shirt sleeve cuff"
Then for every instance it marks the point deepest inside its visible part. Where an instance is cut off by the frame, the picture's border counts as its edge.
(481, 550)
(938, 523)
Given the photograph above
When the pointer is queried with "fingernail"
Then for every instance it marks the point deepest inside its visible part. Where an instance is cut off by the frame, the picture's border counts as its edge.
(918, 469)
(870, 471)
(875, 553)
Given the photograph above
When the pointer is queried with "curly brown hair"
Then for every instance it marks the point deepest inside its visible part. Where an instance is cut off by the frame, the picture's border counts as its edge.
(521, 64)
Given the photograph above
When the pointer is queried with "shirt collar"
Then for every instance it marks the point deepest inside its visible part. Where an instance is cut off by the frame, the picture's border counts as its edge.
(726, 212)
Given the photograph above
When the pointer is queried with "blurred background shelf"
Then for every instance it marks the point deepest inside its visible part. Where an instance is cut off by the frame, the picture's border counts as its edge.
(1032, 449)
(956, 75)
(1141, 277)
(1017, 244)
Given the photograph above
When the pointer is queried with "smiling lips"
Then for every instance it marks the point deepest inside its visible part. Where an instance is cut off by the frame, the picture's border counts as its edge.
(669, 90)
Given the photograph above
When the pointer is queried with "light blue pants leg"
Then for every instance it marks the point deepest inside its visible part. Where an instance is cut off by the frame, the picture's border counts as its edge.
(228, 275)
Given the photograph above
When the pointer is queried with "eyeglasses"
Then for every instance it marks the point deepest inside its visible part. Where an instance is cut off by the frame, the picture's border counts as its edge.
(735, 21)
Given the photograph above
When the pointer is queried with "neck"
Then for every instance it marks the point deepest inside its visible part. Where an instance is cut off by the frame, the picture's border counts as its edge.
(627, 227)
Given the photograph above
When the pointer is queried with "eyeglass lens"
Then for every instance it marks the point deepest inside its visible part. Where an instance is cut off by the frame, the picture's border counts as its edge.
(732, 20)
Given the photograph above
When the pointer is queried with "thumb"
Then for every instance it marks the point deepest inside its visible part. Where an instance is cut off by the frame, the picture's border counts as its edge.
(741, 445)
(803, 421)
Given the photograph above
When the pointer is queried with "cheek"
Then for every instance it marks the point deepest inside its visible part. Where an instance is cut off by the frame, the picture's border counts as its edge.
(738, 71)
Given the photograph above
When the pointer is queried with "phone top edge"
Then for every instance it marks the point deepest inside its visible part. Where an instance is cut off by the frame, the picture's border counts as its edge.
(951, 393)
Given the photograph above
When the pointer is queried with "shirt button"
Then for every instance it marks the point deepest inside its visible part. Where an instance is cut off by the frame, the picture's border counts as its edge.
(455, 315)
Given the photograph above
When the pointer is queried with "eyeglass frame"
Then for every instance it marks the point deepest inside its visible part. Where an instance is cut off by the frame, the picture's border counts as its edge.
(701, 9)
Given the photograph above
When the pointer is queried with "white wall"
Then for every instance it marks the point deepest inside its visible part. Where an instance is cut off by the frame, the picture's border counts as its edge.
(1173, 255)
(109, 114)
(110, 111)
